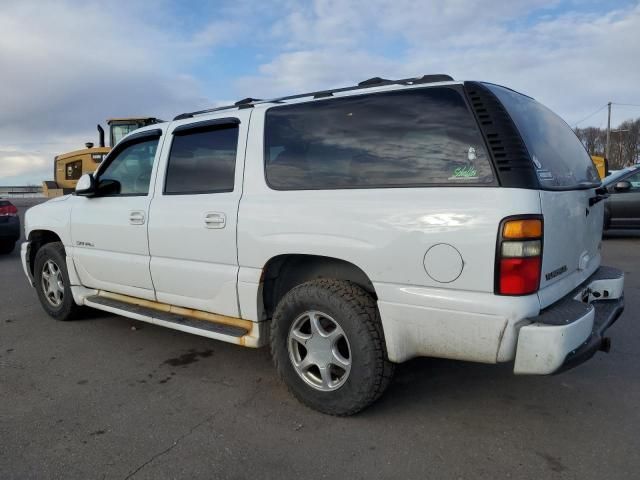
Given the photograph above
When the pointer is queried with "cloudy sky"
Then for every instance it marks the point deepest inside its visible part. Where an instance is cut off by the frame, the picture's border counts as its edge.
(65, 66)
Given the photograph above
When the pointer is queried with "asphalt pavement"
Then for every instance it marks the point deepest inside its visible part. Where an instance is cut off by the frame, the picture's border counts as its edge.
(111, 398)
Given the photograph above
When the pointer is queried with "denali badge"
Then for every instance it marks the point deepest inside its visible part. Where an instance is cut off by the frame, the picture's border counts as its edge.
(555, 273)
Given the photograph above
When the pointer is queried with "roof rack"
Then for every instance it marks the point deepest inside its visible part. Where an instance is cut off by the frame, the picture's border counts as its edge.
(369, 83)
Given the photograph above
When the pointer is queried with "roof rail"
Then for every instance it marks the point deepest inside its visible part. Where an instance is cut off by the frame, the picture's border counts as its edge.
(369, 83)
(246, 101)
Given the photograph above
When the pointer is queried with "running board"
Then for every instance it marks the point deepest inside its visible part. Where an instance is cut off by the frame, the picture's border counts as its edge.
(219, 327)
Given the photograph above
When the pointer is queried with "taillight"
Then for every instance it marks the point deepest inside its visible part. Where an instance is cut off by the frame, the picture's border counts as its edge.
(8, 211)
(519, 255)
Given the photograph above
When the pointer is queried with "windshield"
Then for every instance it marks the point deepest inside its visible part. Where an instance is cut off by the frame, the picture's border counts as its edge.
(560, 159)
(118, 132)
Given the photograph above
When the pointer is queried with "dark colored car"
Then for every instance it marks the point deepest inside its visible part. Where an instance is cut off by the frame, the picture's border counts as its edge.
(622, 208)
(9, 226)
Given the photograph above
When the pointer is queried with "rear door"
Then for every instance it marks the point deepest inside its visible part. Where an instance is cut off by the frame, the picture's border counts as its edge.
(193, 217)
(568, 179)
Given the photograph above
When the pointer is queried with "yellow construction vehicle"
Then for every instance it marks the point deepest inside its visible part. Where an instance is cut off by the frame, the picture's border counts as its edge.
(69, 167)
(601, 165)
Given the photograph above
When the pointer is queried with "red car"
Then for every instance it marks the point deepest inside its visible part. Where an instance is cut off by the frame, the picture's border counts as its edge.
(9, 226)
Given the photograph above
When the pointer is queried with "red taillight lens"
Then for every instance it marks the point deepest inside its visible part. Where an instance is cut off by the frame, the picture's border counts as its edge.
(519, 276)
(519, 255)
(8, 210)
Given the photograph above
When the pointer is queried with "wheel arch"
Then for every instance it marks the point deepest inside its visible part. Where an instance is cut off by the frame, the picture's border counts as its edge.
(38, 239)
(283, 272)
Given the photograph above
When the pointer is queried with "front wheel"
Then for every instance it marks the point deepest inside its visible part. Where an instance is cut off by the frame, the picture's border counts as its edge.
(328, 347)
(52, 282)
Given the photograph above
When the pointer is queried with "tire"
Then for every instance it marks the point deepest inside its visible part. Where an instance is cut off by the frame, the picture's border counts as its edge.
(350, 332)
(57, 301)
(7, 246)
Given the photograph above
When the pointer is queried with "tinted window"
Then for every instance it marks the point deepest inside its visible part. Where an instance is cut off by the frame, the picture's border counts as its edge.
(560, 158)
(131, 168)
(202, 161)
(397, 139)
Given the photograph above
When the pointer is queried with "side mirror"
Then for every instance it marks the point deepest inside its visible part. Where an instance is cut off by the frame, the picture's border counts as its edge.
(86, 186)
(623, 186)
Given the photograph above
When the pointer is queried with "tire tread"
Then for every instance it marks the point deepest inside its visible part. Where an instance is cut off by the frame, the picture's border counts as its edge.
(369, 324)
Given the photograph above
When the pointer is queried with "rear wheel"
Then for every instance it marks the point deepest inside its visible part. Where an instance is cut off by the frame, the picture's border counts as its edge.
(52, 282)
(7, 246)
(328, 347)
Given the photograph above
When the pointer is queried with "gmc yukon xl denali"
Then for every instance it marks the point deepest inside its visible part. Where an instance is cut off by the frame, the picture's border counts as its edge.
(349, 230)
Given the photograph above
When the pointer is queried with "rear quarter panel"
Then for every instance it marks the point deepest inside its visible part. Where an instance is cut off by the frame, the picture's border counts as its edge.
(385, 232)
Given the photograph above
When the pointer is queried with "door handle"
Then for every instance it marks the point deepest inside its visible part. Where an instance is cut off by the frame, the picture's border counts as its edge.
(215, 220)
(136, 217)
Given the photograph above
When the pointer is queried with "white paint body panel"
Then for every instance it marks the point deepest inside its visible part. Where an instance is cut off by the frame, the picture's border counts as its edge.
(570, 235)
(53, 215)
(477, 326)
(107, 242)
(191, 265)
(117, 246)
(543, 348)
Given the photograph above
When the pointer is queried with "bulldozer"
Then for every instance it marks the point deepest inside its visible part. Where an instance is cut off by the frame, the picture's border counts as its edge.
(69, 167)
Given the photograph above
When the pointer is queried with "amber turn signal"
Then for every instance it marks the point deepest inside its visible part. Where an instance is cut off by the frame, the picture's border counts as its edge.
(530, 228)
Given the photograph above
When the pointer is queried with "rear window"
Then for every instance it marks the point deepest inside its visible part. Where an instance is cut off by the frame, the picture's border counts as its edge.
(409, 138)
(560, 159)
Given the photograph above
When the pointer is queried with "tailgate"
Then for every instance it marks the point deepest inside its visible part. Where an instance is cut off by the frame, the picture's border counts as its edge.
(567, 180)
(572, 239)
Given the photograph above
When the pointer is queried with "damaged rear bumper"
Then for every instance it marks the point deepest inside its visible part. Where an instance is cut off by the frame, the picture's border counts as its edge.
(571, 331)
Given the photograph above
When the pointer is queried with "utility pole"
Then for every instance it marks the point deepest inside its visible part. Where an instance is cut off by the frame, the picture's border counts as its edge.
(606, 148)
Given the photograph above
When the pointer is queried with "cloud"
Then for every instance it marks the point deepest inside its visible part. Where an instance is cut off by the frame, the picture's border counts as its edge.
(67, 67)
(571, 61)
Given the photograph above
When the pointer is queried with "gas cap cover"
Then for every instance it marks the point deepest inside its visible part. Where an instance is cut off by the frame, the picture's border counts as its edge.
(443, 263)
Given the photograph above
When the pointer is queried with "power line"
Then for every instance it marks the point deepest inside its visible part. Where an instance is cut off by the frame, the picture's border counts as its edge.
(590, 115)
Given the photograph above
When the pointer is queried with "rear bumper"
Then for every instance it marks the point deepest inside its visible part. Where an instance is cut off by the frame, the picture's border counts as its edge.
(571, 331)
(606, 313)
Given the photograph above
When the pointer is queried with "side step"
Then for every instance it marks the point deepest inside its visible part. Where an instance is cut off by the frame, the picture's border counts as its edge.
(228, 329)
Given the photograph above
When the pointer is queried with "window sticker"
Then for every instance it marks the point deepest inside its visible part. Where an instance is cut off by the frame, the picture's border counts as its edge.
(469, 171)
(545, 175)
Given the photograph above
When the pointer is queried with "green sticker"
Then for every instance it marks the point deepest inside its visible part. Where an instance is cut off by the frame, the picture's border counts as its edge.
(465, 172)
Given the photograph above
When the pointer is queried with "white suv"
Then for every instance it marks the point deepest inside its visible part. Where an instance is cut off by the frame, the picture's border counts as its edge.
(348, 229)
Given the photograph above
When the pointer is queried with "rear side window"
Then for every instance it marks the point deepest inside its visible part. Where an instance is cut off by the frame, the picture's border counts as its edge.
(559, 157)
(202, 161)
(410, 138)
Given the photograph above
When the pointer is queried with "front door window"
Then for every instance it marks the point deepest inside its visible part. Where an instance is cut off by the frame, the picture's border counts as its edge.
(129, 173)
